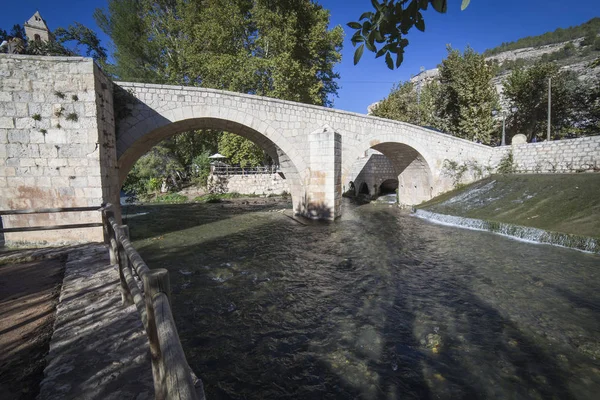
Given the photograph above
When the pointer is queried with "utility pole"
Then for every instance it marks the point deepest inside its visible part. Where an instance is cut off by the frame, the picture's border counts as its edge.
(549, 104)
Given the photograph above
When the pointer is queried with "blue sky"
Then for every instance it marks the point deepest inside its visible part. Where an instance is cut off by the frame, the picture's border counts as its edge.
(484, 24)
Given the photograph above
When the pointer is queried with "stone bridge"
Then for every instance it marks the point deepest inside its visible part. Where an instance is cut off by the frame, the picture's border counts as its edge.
(316, 147)
(69, 136)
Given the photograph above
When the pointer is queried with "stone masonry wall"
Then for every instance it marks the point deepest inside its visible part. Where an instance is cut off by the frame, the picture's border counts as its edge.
(251, 184)
(51, 112)
(558, 156)
(372, 169)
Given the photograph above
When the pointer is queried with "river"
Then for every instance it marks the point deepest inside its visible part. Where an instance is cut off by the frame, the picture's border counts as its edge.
(377, 305)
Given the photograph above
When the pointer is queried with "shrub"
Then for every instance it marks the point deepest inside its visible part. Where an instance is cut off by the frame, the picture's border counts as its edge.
(72, 117)
(507, 164)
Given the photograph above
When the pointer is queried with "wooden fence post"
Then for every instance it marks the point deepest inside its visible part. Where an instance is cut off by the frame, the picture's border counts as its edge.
(156, 281)
(126, 297)
(111, 234)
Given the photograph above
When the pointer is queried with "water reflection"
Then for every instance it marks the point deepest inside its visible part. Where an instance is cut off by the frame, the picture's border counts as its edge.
(378, 305)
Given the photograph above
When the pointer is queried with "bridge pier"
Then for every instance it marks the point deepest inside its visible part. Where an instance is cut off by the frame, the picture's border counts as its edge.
(323, 179)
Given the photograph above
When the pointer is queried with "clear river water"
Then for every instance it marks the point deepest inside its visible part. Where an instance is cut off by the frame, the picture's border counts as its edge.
(377, 305)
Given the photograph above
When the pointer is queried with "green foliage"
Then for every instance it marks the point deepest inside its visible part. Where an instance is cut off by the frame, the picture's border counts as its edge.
(43, 131)
(48, 49)
(36, 117)
(185, 147)
(589, 39)
(218, 197)
(412, 103)
(151, 170)
(507, 164)
(558, 36)
(278, 49)
(18, 31)
(170, 198)
(527, 90)
(240, 150)
(74, 97)
(467, 95)
(72, 117)
(586, 105)
(567, 51)
(457, 171)
(460, 104)
(513, 64)
(81, 35)
(153, 185)
(383, 30)
(60, 95)
(201, 168)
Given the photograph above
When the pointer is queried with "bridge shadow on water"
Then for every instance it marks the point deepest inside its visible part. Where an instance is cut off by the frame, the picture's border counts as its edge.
(161, 219)
(412, 328)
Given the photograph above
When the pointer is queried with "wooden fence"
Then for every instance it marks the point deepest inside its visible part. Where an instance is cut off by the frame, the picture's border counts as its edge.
(149, 290)
(237, 170)
(49, 211)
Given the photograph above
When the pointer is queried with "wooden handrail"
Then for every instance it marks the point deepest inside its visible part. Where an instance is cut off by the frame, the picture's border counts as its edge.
(50, 227)
(173, 377)
(49, 210)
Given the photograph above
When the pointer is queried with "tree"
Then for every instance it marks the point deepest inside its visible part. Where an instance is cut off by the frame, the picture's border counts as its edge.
(76, 34)
(461, 103)
(281, 49)
(383, 30)
(415, 104)
(467, 95)
(18, 31)
(136, 55)
(527, 90)
(81, 35)
(400, 105)
(240, 151)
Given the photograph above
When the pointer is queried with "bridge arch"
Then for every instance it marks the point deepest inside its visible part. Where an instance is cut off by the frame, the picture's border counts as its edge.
(143, 130)
(412, 164)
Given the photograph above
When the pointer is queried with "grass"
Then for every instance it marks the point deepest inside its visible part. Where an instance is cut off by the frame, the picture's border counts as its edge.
(218, 197)
(169, 198)
(567, 203)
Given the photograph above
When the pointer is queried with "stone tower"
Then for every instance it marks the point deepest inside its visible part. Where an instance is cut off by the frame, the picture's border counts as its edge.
(37, 30)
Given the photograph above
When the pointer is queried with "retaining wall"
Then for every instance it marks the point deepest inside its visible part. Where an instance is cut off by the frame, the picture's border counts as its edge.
(249, 184)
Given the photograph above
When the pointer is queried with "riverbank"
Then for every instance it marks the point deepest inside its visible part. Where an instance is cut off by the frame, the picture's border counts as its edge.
(563, 209)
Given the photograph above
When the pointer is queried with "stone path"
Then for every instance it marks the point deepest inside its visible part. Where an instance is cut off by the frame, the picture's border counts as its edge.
(99, 348)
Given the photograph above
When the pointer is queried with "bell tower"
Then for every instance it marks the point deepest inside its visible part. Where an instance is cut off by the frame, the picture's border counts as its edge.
(37, 30)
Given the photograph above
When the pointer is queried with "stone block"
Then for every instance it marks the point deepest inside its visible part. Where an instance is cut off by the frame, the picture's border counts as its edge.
(78, 182)
(5, 97)
(59, 181)
(7, 123)
(20, 136)
(56, 136)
